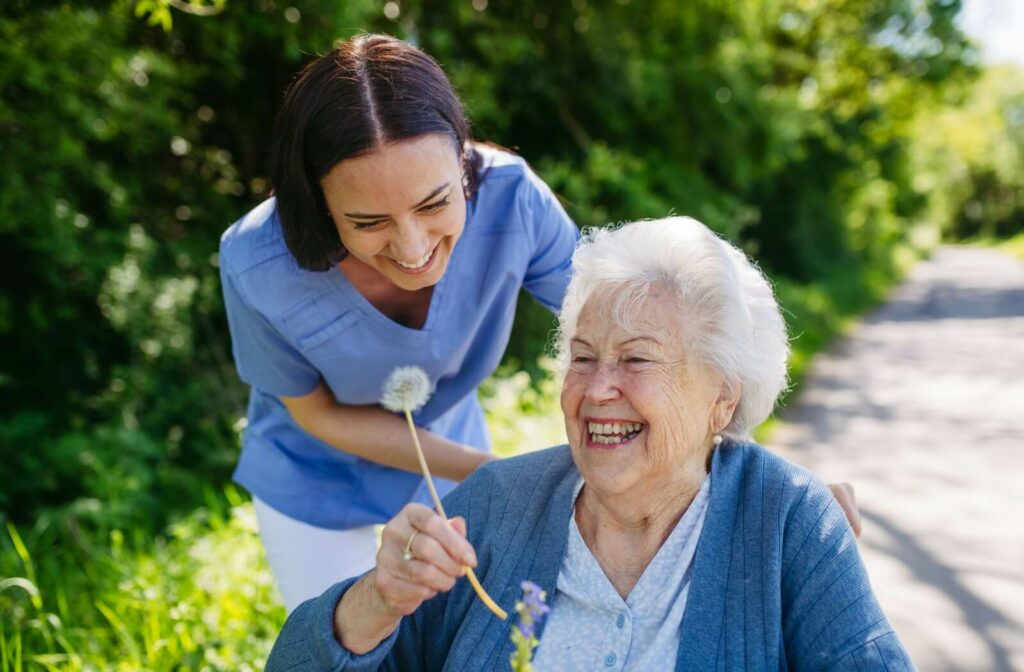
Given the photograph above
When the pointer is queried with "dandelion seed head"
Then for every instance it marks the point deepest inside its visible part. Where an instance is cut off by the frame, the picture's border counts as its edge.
(407, 388)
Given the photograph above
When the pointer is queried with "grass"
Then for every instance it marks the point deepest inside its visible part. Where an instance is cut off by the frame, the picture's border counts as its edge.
(201, 597)
(1013, 245)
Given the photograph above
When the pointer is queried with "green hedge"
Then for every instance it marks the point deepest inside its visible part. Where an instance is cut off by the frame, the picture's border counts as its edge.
(793, 128)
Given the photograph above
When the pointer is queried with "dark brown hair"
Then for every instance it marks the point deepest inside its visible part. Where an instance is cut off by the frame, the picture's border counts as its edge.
(368, 91)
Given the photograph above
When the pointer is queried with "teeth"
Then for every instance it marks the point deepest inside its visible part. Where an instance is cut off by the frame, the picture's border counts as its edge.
(613, 428)
(418, 264)
(618, 428)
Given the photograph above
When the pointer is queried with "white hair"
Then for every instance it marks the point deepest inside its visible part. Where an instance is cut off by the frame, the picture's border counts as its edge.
(726, 305)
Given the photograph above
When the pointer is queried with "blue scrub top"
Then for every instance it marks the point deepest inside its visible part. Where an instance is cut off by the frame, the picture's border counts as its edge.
(292, 328)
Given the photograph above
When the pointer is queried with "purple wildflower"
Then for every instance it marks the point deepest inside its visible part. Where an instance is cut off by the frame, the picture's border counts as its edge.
(531, 610)
(533, 598)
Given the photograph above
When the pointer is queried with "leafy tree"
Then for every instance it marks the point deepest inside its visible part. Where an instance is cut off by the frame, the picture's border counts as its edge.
(126, 148)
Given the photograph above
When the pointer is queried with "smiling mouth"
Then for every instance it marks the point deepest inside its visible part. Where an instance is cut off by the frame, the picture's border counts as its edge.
(419, 266)
(612, 433)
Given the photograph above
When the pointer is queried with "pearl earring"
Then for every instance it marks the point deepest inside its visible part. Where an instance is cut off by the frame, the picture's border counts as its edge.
(717, 439)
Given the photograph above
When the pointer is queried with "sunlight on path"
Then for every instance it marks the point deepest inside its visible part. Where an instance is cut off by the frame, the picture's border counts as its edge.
(922, 408)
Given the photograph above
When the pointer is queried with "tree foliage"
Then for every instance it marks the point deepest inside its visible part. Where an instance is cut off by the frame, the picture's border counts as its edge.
(970, 158)
(126, 148)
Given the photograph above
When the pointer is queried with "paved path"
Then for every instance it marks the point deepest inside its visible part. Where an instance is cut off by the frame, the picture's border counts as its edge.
(922, 408)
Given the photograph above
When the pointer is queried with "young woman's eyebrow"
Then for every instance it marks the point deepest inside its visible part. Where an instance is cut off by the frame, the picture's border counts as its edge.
(363, 215)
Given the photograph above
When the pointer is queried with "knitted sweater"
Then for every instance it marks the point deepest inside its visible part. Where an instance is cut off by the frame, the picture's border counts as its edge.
(777, 582)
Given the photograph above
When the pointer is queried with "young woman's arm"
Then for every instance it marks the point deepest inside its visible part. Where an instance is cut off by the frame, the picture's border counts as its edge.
(379, 436)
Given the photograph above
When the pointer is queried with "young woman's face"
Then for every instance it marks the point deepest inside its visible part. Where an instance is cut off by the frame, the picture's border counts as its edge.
(401, 209)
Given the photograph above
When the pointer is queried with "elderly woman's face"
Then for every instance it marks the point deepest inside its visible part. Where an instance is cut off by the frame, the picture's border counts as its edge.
(638, 407)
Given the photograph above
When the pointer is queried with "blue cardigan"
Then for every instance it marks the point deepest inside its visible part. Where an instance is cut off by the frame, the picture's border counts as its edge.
(778, 582)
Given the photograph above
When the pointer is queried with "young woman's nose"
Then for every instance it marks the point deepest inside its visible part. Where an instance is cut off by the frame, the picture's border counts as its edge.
(409, 241)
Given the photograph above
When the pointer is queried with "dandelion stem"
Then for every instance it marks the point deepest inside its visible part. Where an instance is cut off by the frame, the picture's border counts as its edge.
(479, 589)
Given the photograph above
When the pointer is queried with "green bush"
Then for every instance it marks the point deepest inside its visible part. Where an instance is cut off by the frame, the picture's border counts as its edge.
(790, 127)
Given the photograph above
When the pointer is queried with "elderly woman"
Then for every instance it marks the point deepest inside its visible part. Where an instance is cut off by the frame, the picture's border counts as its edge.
(665, 538)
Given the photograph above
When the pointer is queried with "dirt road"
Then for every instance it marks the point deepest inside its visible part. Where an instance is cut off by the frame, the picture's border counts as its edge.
(922, 408)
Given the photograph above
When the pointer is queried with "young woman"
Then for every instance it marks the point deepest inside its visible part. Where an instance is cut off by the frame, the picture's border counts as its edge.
(392, 240)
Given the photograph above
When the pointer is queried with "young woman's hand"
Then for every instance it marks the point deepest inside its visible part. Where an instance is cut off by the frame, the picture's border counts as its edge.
(843, 492)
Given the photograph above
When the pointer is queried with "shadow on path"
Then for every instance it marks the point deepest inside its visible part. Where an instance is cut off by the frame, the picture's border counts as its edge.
(921, 406)
(946, 301)
(978, 615)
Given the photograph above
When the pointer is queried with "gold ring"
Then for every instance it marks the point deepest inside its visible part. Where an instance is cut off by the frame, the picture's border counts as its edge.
(408, 547)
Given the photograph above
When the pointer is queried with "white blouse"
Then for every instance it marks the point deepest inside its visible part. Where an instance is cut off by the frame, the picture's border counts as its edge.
(591, 628)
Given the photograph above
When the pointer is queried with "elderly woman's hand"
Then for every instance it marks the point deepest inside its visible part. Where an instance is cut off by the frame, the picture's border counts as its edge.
(421, 554)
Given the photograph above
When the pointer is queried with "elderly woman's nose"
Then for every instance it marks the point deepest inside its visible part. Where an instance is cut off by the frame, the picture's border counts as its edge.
(603, 383)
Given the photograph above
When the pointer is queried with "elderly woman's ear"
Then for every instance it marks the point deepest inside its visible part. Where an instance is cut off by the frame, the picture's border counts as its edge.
(725, 406)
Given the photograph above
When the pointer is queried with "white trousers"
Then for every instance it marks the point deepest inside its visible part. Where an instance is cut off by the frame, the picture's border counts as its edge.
(307, 560)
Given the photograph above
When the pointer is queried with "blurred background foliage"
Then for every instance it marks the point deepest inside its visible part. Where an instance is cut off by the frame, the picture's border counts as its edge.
(834, 139)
